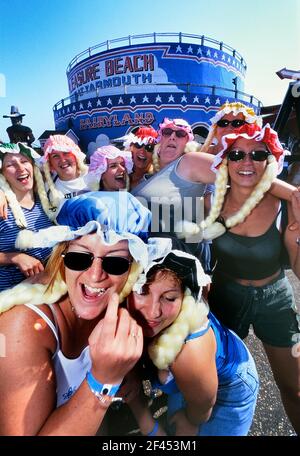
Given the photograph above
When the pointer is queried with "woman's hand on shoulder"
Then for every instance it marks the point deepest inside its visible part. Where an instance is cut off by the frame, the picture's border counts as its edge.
(116, 344)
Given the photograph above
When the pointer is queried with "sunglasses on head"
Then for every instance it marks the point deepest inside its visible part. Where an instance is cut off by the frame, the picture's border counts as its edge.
(234, 123)
(178, 133)
(255, 155)
(81, 261)
(147, 147)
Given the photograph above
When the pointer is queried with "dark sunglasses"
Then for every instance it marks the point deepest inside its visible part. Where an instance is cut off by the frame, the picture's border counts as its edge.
(234, 123)
(256, 155)
(81, 261)
(147, 147)
(178, 133)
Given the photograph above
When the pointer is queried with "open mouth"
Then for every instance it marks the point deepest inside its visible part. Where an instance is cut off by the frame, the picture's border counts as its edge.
(24, 179)
(246, 173)
(120, 177)
(142, 157)
(92, 292)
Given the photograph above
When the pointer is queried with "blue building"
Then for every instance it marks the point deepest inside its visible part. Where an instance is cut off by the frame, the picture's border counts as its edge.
(138, 80)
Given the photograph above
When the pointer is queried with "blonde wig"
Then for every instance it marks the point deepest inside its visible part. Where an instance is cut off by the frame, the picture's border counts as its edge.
(234, 108)
(167, 345)
(12, 199)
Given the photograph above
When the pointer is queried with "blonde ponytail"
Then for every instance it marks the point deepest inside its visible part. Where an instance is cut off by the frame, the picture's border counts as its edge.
(165, 347)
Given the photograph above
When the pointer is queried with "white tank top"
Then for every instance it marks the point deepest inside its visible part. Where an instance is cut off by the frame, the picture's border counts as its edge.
(69, 373)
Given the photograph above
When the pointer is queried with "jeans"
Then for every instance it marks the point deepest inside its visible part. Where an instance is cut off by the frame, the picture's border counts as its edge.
(233, 411)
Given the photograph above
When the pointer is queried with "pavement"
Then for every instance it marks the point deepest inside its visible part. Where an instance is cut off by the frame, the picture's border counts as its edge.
(270, 418)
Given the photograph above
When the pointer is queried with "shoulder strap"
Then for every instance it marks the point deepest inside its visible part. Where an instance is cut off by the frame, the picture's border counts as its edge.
(54, 328)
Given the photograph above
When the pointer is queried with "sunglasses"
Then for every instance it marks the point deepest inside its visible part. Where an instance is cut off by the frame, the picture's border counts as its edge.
(234, 123)
(178, 133)
(147, 147)
(255, 155)
(81, 261)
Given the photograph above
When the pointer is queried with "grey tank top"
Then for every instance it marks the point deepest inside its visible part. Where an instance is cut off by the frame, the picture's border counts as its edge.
(171, 198)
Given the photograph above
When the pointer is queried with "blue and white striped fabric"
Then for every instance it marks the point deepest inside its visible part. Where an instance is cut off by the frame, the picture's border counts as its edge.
(36, 219)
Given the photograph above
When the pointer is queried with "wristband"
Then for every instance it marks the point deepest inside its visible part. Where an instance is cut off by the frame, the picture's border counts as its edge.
(154, 430)
(98, 388)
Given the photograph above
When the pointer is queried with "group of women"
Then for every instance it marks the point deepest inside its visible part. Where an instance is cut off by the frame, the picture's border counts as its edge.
(116, 301)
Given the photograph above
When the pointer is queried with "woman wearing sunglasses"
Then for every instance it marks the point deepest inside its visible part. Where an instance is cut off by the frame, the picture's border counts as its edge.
(204, 368)
(246, 223)
(229, 118)
(179, 181)
(141, 144)
(65, 359)
(109, 169)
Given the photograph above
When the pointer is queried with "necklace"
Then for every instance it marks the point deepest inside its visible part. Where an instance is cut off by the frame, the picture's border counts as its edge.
(74, 311)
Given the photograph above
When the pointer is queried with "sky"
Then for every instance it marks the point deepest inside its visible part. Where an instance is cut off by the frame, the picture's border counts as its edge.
(39, 38)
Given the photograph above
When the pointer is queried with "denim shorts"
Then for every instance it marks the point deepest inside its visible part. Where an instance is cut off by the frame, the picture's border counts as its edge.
(270, 309)
(233, 411)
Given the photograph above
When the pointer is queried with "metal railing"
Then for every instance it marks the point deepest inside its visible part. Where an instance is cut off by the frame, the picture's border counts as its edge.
(211, 90)
(156, 38)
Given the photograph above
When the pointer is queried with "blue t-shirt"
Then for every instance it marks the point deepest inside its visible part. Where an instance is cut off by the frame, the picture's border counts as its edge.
(36, 218)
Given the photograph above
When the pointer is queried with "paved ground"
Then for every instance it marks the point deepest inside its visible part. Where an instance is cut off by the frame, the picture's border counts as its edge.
(270, 417)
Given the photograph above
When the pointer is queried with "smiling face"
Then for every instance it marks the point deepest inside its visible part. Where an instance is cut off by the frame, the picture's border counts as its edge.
(159, 303)
(141, 158)
(247, 172)
(18, 171)
(89, 290)
(64, 164)
(114, 177)
(171, 148)
(222, 131)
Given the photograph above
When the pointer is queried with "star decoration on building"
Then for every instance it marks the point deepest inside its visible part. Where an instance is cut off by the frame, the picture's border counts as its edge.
(132, 100)
(223, 57)
(190, 50)
(89, 105)
(207, 100)
(183, 99)
(196, 99)
(81, 106)
(216, 55)
(74, 108)
(63, 111)
(68, 109)
(178, 49)
(171, 98)
(158, 99)
(109, 102)
(145, 99)
(120, 101)
(208, 52)
(229, 60)
(199, 51)
(99, 102)
(218, 101)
